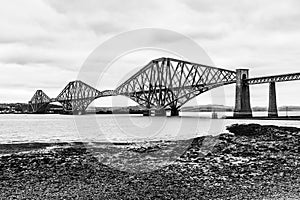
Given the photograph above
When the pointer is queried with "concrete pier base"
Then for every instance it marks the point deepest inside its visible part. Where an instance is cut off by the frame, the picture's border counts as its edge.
(242, 99)
(146, 113)
(272, 111)
(174, 112)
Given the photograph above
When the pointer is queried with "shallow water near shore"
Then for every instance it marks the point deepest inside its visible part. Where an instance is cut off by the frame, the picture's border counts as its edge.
(114, 128)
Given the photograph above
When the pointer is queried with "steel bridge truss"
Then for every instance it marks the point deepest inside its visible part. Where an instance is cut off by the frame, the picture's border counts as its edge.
(77, 96)
(170, 83)
(39, 101)
(163, 83)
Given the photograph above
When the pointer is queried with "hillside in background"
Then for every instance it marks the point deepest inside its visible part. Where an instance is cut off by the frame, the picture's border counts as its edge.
(216, 108)
(23, 108)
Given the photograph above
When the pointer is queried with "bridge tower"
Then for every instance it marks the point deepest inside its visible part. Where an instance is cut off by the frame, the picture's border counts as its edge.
(272, 111)
(242, 98)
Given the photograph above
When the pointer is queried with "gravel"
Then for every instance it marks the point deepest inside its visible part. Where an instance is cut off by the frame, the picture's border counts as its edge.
(251, 162)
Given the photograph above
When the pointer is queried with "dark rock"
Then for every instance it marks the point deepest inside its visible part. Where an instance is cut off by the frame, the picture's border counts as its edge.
(144, 148)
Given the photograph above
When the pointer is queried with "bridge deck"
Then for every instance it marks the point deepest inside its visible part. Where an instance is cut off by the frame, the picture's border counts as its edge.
(276, 78)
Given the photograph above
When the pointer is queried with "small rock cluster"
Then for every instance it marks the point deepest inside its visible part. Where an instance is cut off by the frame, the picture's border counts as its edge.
(145, 148)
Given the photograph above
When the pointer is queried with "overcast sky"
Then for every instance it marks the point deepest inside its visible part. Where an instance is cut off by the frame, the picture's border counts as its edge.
(44, 43)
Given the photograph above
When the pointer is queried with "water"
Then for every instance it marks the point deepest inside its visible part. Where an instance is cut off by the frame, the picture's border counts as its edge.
(116, 128)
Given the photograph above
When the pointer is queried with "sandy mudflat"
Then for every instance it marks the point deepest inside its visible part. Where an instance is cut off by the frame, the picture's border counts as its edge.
(255, 162)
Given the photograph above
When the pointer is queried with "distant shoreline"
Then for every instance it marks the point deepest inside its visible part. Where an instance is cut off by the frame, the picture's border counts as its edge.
(296, 118)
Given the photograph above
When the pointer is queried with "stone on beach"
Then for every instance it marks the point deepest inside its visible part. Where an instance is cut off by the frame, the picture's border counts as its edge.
(251, 162)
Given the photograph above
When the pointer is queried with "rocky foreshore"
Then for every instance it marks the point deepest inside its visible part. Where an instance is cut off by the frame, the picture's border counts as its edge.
(250, 162)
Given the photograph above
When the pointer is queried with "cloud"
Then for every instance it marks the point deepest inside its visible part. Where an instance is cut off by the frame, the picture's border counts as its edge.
(43, 43)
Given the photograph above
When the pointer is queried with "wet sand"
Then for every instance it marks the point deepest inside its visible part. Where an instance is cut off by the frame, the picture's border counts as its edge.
(252, 162)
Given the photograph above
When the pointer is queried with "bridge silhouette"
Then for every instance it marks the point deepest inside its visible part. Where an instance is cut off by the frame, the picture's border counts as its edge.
(167, 84)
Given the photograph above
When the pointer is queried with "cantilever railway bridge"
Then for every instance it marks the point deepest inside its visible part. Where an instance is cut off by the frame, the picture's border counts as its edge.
(166, 83)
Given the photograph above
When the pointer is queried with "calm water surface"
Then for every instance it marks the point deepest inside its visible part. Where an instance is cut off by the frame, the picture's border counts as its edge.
(116, 128)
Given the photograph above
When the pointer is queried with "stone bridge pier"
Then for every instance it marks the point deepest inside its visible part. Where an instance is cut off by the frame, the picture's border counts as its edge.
(242, 98)
(272, 111)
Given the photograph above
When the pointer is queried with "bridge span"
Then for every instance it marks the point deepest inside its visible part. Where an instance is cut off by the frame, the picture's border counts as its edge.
(167, 84)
